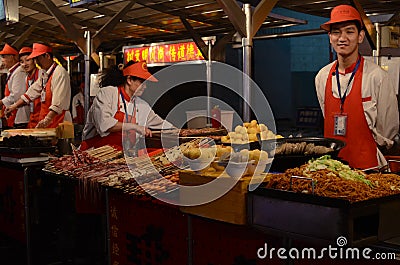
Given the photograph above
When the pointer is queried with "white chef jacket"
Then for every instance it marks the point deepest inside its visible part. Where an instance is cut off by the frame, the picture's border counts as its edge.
(60, 89)
(100, 117)
(381, 112)
(78, 99)
(17, 87)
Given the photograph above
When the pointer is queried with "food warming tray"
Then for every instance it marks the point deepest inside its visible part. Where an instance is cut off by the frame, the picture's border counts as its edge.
(323, 219)
(282, 162)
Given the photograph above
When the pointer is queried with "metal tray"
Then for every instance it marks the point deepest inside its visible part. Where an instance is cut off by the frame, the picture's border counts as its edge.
(283, 162)
(26, 150)
(322, 219)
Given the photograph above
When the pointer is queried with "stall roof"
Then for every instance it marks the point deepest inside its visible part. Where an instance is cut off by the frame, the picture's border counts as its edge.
(146, 21)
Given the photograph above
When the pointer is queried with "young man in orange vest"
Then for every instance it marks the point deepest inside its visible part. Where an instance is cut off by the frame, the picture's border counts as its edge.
(33, 73)
(356, 96)
(53, 87)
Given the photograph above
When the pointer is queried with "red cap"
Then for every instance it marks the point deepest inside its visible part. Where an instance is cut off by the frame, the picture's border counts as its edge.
(139, 69)
(39, 49)
(342, 13)
(7, 49)
(25, 50)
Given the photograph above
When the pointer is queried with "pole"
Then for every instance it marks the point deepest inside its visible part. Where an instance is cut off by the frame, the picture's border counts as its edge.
(87, 72)
(247, 44)
(377, 52)
(209, 62)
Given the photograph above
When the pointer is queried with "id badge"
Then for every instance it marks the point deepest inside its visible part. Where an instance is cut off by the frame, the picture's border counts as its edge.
(31, 105)
(43, 96)
(340, 126)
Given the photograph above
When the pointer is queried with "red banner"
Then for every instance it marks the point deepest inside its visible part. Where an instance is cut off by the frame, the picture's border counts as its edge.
(164, 53)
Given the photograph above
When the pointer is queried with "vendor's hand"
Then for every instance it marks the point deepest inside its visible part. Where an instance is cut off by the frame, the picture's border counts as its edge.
(9, 110)
(44, 123)
(140, 130)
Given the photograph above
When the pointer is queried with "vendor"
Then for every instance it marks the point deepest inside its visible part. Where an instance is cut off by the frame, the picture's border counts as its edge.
(33, 73)
(78, 106)
(15, 87)
(117, 102)
(53, 87)
(356, 96)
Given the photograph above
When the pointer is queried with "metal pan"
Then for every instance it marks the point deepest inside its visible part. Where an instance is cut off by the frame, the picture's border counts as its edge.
(283, 162)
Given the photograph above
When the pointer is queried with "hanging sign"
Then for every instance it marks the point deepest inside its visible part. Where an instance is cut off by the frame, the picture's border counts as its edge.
(163, 53)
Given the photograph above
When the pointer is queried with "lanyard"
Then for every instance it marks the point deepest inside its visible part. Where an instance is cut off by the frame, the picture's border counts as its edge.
(342, 99)
(49, 75)
(126, 109)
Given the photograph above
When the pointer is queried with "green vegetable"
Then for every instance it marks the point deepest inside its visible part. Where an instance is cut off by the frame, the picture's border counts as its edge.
(344, 171)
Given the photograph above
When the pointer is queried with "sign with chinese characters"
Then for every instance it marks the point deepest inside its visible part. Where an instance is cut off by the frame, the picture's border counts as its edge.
(163, 53)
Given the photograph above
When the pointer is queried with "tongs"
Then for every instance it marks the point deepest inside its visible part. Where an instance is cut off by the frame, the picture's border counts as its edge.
(377, 169)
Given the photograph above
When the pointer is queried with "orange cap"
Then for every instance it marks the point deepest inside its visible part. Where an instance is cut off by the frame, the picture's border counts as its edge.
(342, 13)
(25, 50)
(7, 49)
(139, 69)
(39, 49)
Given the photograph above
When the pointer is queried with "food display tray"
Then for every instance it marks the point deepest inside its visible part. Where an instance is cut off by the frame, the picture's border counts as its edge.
(284, 161)
(324, 219)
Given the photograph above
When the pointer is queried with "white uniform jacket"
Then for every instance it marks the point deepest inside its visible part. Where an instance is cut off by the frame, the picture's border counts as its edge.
(60, 89)
(101, 114)
(379, 100)
(17, 87)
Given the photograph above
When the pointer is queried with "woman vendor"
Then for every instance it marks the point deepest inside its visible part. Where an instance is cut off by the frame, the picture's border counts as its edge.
(118, 109)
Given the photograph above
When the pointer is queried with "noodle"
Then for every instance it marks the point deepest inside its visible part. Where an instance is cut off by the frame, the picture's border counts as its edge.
(329, 184)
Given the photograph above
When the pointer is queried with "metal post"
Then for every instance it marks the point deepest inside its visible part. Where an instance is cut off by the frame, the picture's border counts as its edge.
(87, 72)
(247, 44)
(101, 59)
(377, 52)
(69, 65)
(208, 63)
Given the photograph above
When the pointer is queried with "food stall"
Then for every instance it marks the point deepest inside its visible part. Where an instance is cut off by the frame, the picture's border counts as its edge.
(142, 229)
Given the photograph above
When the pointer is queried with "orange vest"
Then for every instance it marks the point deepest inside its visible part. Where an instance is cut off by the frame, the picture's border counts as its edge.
(360, 150)
(45, 105)
(34, 116)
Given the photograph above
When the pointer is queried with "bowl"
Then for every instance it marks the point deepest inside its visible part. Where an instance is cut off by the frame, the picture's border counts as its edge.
(257, 167)
(236, 169)
(197, 164)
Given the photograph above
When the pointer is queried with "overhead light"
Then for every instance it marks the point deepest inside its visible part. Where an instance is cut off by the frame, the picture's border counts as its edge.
(212, 11)
(66, 4)
(99, 16)
(83, 27)
(83, 10)
(194, 6)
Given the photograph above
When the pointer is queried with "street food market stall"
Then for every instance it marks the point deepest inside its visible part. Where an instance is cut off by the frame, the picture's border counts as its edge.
(325, 204)
(143, 230)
